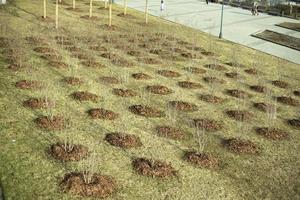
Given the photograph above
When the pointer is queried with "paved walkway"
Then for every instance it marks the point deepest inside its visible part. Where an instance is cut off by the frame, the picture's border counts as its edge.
(238, 23)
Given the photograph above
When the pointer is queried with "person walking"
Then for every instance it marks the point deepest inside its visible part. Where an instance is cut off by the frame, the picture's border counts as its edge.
(206, 2)
(162, 5)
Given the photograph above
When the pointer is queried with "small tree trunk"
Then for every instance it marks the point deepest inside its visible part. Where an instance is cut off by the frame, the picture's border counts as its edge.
(146, 12)
(56, 15)
(74, 4)
(59, 1)
(45, 9)
(110, 15)
(105, 3)
(291, 9)
(125, 7)
(91, 8)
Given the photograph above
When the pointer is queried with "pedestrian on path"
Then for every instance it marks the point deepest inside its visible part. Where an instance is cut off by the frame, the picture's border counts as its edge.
(162, 5)
(206, 2)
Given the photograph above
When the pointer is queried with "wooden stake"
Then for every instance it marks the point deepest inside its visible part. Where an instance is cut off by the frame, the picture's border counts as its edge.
(45, 9)
(125, 7)
(105, 3)
(110, 16)
(56, 15)
(74, 4)
(91, 8)
(146, 12)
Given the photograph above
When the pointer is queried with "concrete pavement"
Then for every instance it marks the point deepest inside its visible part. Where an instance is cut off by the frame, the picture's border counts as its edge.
(238, 24)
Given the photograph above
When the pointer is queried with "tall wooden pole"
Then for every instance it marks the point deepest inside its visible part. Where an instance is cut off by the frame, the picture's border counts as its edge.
(91, 8)
(56, 15)
(146, 12)
(110, 13)
(74, 4)
(45, 9)
(125, 7)
(105, 3)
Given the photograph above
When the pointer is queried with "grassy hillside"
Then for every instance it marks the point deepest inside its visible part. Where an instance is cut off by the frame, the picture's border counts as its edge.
(265, 167)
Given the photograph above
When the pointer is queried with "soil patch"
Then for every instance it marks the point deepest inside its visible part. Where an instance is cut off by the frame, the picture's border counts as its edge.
(251, 71)
(170, 132)
(123, 140)
(189, 85)
(127, 16)
(240, 65)
(80, 56)
(258, 88)
(201, 160)
(208, 124)
(217, 67)
(297, 93)
(85, 96)
(38, 103)
(73, 80)
(211, 79)
(211, 98)
(238, 93)
(94, 64)
(168, 73)
(239, 115)
(159, 89)
(146, 111)
(280, 84)
(153, 168)
(263, 106)
(109, 80)
(52, 57)
(58, 64)
(294, 122)
(100, 186)
(44, 50)
(100, 113)
(67, 152)
(27, 85)
(272, 133)
(149, 60)
(141, 76)
(195, 70)
(183, 106)
(237, 145)
(98, 48)
(51, 123)
(232, 75)
(288, 101)
(124, 92)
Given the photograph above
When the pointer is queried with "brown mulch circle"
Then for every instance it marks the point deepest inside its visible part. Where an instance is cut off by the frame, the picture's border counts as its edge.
(170, 132)
(149, 60)
(109, 28)
(211, 98)
(80, 56)
(74, 9)
(94, 64)
(35, 103)
(280, 84)
(272, 133)
(207, 53)
(85, 96)
(168, 73)
(217, 67)
(235, 64)
(209, 125)
(128, 16)
(189, 85)
(73, 49)
(123, 140)
(159, 89)
(109, 80)
(33, 40)
(146, 111)
(212, 79)
(153, 168)
(93, 18)
(100, 113)
(51, 123)
(251, 71)
(124, 92)
(52, 57)
(263, 106)
(98, 48)
(237, 145)
(47, 19)
(297, 93)
(294, 122)
(239, 115)
(237, 93)
(73, 80)
(58, 64)
(184, 106)
(44, 50)
(27, 85)
(61, 152)
(201, 160)
(258, 88)
(100, 186)
(134, 53)
(195, 70)
(232, 75)
(288, 101)
(141, 76)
